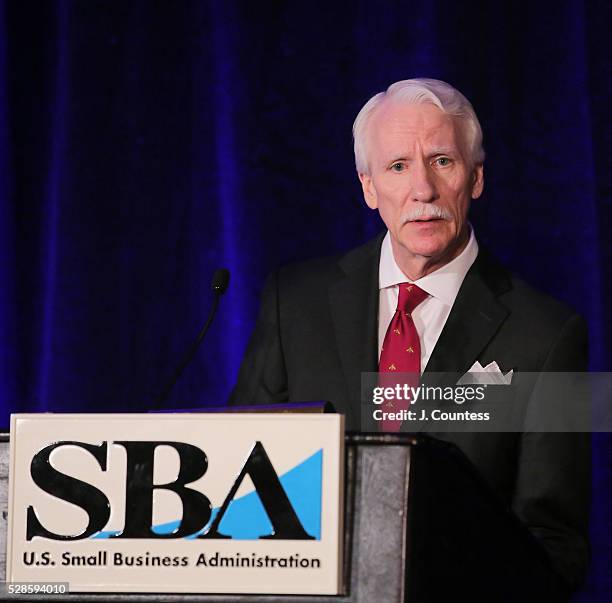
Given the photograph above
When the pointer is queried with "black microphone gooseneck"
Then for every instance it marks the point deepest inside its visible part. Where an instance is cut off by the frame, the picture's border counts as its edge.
(220, 281)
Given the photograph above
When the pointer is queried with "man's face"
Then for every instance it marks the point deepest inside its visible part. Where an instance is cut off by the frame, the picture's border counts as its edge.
(421, 181)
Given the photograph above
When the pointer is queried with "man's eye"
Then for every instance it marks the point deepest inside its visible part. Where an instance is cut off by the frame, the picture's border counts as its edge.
(398, 166)
(442, 161)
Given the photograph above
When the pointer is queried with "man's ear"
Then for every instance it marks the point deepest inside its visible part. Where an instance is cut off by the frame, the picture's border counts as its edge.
(369, 191)
(477, 181)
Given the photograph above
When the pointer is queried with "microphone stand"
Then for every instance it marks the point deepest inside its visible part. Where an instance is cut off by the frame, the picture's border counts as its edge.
(220, 283)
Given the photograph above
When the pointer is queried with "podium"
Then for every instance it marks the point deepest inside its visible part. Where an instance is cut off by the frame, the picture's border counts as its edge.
(420, 525)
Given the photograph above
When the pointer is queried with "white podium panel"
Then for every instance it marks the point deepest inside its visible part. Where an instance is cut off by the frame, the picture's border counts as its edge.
(177, 503)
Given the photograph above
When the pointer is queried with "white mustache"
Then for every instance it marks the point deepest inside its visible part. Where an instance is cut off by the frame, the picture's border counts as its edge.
(426, 211)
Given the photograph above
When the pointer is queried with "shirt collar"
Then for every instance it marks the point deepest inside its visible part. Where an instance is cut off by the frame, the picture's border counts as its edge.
(443, 283)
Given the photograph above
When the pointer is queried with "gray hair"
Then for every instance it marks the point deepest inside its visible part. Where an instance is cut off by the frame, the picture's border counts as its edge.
(415, 91)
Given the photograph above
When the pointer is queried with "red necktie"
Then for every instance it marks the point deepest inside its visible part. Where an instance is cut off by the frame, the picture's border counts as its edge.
(401, 351)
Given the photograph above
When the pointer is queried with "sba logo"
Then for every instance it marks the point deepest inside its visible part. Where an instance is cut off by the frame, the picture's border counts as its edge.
(197, 508)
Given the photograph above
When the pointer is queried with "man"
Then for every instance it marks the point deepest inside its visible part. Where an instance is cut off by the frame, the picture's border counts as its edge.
(425, 298)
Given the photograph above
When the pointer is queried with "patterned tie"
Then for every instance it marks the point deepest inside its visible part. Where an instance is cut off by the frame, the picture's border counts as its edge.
(401, 351)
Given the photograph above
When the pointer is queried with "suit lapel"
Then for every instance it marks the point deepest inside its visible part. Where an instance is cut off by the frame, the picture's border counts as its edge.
(354, 308)
(473, 321)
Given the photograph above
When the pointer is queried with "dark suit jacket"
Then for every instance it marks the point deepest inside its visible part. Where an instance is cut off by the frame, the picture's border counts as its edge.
(317, 332)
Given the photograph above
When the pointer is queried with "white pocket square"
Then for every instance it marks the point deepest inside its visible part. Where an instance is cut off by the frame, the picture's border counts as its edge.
(488, 375)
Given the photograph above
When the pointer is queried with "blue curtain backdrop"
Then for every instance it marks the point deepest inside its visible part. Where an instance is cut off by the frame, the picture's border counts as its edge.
(143, 144)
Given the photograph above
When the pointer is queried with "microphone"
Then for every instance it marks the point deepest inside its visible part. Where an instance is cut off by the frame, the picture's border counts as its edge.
(219, 284)
(220, 280)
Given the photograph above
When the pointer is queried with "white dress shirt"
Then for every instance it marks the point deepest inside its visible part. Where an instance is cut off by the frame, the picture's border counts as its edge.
(442, 285)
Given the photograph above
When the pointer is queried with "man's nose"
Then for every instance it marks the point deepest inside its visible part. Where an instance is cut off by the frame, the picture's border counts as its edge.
(423, 186)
